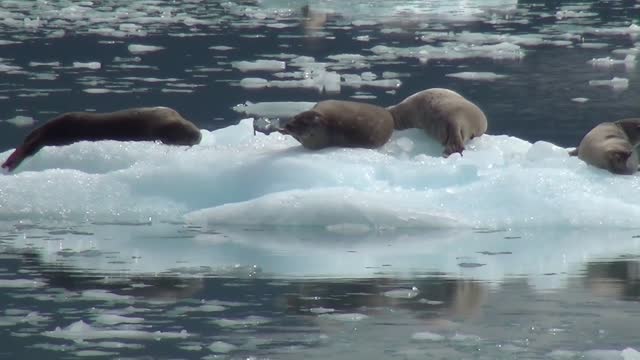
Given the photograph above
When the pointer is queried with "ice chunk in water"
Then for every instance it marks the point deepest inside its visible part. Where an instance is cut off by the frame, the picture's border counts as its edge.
(143, 49)
(427, 336)
(402, 293)
(481, 76)
(21, 121)
(88, 65)
(616, 83)
(259, 65)
(222, 347)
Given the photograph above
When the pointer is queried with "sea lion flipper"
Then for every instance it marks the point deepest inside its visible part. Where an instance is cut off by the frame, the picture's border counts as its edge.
(15, 159)
(573, 152)
(454, 143)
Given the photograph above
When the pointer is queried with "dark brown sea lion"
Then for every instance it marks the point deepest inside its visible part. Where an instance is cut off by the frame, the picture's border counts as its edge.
(444, 114)
(341, 123)
(612, 146)
(137, 124)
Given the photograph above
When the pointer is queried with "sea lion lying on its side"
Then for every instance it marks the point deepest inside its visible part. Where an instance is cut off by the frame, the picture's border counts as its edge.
(335, 123)
(137, 124)
(612, 146)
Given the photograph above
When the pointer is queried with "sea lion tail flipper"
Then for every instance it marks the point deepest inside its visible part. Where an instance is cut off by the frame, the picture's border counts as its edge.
(15, 159)
(573, 152)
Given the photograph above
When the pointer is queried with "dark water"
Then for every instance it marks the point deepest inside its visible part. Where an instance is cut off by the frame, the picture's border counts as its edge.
(175, 291)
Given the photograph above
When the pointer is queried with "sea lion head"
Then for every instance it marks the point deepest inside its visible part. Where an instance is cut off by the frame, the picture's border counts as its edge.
(622, 162)
(309, 128)
(180, 133)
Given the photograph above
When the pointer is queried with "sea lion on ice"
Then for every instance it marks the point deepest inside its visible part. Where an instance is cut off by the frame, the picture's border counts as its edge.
(612, 146)
(136, 124)
(444, 114)
(336, 123)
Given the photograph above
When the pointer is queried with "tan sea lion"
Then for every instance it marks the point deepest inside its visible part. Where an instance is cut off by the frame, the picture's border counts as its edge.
(444, 114)
(612, 146)
(341, 123)
(137, 124)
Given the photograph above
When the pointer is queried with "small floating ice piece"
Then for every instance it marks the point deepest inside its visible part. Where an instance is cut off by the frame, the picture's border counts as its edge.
(344, 317)
(402, 293)
(94, 353)
(427, 336)
(20, 283)
(254, 83)
(606, 62)
(616, 83)
(80, 330)
(96, 91)
(222, 347)
(259, 65)
(274, 109)
(563, 354)
(143, 49)
(580, 99)
(36, 63)
(87, 65)
(479, 75)
(250, 320)
(21, 121)
(220, 48)
(104, 295)
(321, 310)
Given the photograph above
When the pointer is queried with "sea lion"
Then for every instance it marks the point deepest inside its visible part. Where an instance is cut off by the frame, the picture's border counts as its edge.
(444, 114)
(137, 124)
(340, 123)
(612, 146)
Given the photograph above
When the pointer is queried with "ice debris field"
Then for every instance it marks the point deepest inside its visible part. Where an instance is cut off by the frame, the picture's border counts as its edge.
(237, 178)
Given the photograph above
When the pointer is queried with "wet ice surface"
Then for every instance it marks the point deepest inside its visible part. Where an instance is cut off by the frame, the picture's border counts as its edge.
(251, 247)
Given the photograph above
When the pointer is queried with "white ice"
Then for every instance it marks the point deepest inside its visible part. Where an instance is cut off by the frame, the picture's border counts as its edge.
(236, 178)
(480, 75)
(21, 121)
(143, 49)
(615, 83)
(80, 330)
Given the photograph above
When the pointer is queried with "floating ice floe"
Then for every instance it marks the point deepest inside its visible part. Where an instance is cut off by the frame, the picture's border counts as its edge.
(427, 336)
(616, 83)
(629, 62)
(222, 347)
(259, 65)
(480, 76)
(87, 65)
(79, 331)
(402, 293)
(143, 49)
(21, 121)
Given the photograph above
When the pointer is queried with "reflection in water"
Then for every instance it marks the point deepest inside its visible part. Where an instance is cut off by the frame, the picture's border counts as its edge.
(619, 279)
(404, 306)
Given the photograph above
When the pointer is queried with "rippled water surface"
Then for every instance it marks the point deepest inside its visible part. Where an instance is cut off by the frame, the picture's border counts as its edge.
(251, 247)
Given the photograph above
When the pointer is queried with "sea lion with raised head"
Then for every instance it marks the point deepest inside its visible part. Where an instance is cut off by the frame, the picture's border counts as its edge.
(336, 123)
(138, 124)
(444, 114)
(612, 146)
